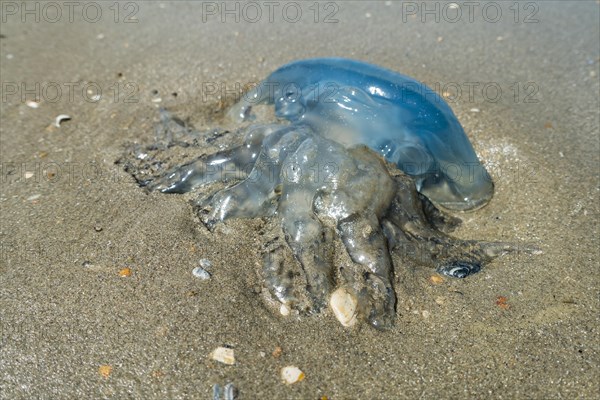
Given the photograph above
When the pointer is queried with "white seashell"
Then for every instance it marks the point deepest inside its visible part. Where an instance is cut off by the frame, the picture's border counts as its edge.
(223, 355)
(344, 305)
(201, 273)
(291, 374)
(58, 120)
(284, 310)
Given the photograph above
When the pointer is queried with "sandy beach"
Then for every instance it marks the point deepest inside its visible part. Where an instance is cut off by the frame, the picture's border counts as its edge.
(97, 295)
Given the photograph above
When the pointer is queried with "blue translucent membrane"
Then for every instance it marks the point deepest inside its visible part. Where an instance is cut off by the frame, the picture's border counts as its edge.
(352, 102)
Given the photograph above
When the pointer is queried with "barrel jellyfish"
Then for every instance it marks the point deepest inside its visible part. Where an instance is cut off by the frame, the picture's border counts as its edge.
(358, 155)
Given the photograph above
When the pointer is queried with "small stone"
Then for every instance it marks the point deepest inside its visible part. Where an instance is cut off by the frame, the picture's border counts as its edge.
(436, 280)
(86, 264)
(205, 263)
(105, 370)
(34, 197)
(223, 355)
(125, 273)
(440, 300)
(291, 374)
(28, 175)
(100, 36)
(98, 228)
(425, 314)
(157, 373)
(32, 104)
(475, 110)
(502, 302)
(277, 352)
(344, 305)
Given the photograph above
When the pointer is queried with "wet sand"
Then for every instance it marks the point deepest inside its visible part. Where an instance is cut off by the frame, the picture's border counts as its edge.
(72, 220)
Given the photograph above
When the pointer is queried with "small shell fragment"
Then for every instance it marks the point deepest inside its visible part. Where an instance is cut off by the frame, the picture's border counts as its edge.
(223, 355)
(229, 392)
(291, 374)
(32, 104)
(205, 263)
(201, 273)
(59, 120)
(344, 305)
(284, 310)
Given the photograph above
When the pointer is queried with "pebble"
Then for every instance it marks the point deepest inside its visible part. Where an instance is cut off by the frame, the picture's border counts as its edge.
(125, 273)
(33, 197)
(223, 355)
(344, 305)
(475, 110)
(436, 280)
(291, 374)
(105, 370)
(205, 263)
(32, 104)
